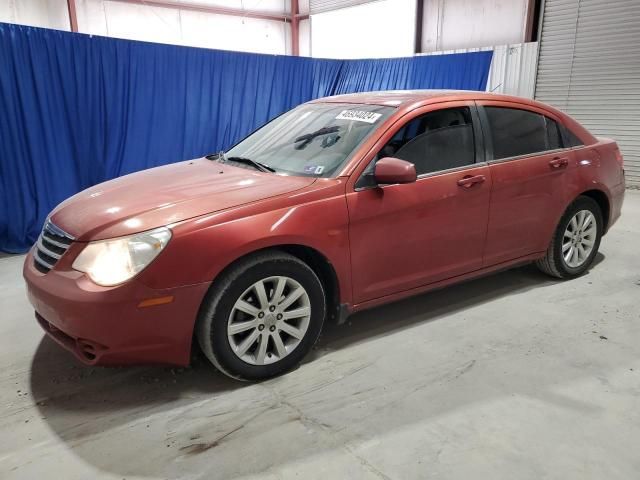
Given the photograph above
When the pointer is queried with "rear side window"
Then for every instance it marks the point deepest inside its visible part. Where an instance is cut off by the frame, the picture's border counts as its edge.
(438, 140)
(516, 132)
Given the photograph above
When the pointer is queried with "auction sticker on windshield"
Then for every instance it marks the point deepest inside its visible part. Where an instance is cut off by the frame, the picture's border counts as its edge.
(359, 116)
(315, 169)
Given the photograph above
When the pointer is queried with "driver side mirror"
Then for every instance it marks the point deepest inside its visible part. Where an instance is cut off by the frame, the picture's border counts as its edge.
(391, 170)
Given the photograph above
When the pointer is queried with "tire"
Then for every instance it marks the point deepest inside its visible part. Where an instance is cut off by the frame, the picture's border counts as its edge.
(234, 303)
(554, 262)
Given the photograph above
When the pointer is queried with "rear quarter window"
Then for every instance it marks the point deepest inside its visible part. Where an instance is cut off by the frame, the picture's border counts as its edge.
(569, 138)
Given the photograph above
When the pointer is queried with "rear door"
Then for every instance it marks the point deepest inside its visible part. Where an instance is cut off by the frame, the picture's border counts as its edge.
(529, 169)
(406, 236)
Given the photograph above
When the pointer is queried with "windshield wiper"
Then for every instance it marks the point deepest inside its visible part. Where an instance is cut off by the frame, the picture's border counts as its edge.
(306, 139)
(247, 161)
(221, 157)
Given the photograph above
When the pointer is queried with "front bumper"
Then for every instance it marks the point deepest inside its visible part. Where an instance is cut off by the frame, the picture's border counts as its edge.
(106, 325)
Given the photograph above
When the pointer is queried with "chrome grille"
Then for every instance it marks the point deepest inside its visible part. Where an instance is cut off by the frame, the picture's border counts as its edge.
(52, 243)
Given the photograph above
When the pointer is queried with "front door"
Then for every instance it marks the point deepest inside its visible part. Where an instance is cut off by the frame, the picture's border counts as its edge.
(407, 236)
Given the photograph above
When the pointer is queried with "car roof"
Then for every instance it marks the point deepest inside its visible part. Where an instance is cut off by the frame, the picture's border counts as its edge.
(396, 98)
(406, 100)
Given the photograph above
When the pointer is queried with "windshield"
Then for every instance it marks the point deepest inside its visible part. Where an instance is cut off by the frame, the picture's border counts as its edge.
(311, 140)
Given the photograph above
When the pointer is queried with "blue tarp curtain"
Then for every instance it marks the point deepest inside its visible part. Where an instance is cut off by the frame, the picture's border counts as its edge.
(76, 110)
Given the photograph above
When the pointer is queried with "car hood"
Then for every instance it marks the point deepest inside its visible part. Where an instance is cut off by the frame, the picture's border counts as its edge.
(164, 195)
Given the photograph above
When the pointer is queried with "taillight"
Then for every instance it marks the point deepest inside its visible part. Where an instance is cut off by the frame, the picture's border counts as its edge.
(619, 157)
(620, 161)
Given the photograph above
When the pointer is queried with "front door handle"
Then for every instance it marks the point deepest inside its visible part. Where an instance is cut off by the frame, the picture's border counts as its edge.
(559, 162)
(470, 180)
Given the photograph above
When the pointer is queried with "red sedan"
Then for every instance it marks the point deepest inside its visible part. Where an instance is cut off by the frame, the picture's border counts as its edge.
(338, 205)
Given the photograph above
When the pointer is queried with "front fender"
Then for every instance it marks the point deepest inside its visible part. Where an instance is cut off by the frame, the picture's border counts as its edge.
(203, 247)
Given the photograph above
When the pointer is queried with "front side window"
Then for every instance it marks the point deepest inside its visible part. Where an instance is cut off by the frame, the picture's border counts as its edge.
(438, 140)
(313, 139)
(516, 132)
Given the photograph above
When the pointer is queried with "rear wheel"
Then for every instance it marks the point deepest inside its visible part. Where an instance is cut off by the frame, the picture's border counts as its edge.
(576, 240)
(262, 317)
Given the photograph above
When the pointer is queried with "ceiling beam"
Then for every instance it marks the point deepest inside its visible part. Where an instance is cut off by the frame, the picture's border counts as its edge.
(199, 7)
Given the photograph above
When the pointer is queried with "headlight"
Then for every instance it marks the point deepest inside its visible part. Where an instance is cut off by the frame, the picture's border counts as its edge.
(110, 262)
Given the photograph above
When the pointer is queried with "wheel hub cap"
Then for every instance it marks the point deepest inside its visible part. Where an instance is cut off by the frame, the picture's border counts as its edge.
(270, 320)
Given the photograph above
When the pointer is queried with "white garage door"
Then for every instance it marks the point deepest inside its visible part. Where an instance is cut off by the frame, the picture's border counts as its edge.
(589, 66)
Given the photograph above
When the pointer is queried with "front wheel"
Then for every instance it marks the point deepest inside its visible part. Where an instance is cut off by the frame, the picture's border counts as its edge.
(576, 240)
(262, 316)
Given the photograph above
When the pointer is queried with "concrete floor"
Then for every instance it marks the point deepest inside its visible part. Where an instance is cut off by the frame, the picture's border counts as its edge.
(512, 376)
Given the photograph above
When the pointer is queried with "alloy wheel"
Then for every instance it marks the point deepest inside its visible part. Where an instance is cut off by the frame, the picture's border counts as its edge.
(579, 238)
(269, 320)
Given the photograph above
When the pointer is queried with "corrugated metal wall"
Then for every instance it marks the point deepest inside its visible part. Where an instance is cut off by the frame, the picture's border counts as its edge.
(513, 68)
(589, 66)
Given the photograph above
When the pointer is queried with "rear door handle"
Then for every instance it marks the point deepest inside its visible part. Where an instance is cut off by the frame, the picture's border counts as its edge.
(559, 162)
(470, 180)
